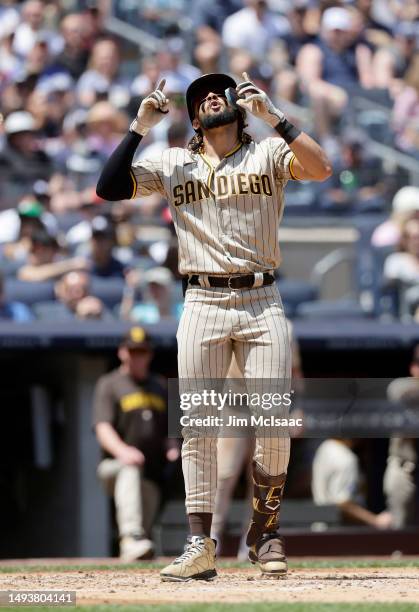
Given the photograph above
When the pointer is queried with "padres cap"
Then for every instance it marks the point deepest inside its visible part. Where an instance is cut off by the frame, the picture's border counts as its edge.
(199, 88)
(136, 338)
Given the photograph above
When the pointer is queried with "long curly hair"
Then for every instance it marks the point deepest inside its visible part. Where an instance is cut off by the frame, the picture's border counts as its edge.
(196, 143)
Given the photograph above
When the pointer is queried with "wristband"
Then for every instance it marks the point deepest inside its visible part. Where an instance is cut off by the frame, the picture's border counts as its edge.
(135, 128)
(287, 130)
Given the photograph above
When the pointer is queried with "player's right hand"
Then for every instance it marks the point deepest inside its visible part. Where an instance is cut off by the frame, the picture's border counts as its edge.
(151, 111)
(256, 101)
(383, 520)
(129, 455)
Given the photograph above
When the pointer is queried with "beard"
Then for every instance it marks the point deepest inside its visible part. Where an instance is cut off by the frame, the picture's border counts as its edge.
(224, 117)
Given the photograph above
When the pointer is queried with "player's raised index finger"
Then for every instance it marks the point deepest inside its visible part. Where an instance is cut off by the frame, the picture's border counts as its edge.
(245, 76)
(161, 84)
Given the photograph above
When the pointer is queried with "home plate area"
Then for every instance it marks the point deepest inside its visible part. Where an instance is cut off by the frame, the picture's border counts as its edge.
(137, 585)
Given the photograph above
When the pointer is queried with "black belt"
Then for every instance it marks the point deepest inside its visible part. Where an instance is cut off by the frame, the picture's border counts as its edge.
(244, 281)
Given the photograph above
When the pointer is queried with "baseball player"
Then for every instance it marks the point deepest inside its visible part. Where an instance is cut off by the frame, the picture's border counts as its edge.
(226, 195)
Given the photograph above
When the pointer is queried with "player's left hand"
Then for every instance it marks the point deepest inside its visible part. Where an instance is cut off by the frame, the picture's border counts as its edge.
(256, 101)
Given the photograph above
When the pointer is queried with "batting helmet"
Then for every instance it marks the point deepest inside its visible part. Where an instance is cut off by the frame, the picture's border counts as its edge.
(199, 88)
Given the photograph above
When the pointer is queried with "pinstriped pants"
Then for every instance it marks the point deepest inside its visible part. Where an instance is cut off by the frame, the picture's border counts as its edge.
(216, 323)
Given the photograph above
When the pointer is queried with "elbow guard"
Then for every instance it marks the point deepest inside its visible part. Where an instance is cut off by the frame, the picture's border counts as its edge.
(108, 190)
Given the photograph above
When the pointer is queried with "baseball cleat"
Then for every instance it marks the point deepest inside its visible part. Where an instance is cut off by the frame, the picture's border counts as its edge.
(135, 548)
(269, 554)
(196, 563)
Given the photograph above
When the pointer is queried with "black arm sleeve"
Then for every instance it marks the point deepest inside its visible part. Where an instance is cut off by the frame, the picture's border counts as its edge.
(116, 182)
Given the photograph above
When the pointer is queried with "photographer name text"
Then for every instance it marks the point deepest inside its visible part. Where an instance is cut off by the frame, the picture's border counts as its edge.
(234, 421)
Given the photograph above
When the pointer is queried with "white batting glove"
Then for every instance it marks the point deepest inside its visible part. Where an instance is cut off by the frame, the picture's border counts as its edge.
(258, 102)
(151, 111)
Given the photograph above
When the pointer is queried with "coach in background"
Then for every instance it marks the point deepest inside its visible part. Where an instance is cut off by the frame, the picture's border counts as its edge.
(337, 480)
(130, 420)
(402, 472)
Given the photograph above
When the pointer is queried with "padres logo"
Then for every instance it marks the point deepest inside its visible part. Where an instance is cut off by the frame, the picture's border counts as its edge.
(137, 334)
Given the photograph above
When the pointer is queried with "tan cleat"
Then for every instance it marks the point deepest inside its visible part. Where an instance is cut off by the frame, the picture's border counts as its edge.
(135, 548)
(269, 554)
(196, 563)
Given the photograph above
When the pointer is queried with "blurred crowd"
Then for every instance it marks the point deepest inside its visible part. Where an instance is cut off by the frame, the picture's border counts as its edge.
(69, 90)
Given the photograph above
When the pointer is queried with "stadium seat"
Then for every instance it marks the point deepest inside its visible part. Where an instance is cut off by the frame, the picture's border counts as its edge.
(29, 293)
(9, 267)
(141, 262)
(109, 290)
(376, 125)
(51, 311)
(301, 198)
(365, 264)
(294, 292)
(67, 220)
(385, 294)
(326, 309)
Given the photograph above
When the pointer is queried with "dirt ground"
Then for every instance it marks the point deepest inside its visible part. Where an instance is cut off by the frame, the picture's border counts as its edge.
(140, 586)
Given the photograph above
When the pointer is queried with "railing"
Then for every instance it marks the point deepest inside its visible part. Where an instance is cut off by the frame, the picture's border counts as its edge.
(395, 158)
(389, 155)
(144, 40)
(124, 20)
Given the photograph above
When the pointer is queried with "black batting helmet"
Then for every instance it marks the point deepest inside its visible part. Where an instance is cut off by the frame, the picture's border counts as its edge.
(199, 88)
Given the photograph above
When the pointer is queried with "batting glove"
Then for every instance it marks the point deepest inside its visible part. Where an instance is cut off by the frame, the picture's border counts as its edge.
(151, 110)
(256, 101)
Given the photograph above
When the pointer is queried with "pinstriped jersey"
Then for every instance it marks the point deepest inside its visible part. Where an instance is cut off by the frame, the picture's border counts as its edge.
(226, 216)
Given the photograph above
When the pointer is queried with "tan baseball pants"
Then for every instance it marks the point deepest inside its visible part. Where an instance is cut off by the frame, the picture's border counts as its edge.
(136, 498)
(215, 323)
